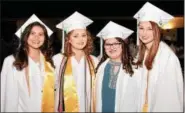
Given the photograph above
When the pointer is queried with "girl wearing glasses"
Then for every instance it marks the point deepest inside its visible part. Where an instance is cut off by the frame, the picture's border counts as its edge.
(114, 89)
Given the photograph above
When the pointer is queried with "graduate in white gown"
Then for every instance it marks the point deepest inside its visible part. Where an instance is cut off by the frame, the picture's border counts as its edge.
(162, 80)
(75, 68)
(27, 78)
(116, 85)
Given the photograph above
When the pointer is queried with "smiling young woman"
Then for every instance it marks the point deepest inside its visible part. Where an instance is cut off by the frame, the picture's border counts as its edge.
(75, 67)
(161, 83)
(115, 84)
(27, 79)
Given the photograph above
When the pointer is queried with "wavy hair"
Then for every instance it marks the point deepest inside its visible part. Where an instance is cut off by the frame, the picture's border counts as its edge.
(21, 55)
(87, 49)
(126, 58)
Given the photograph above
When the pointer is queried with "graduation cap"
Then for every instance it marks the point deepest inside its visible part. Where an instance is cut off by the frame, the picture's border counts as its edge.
(32, 19)
(75, 21)
(112, 30)
(149, 12)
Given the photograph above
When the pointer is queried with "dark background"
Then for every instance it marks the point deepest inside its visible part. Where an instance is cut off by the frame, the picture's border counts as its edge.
(52, 12)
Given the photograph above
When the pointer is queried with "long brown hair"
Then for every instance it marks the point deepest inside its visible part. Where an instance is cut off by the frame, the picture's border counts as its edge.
(153, 50)
(126, 58)
(87, 49)
(21, 55)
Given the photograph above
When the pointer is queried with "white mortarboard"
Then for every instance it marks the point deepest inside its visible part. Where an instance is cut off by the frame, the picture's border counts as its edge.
(75, 21)
(32, 19)
(149, 12)
(112, 30)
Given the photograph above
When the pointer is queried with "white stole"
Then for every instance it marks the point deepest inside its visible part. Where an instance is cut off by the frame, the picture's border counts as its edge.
(78, 71)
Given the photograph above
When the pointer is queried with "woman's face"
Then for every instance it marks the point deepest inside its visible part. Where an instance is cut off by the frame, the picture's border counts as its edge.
(78, 39)
(146, 32)
(113, 48)
(36, 37)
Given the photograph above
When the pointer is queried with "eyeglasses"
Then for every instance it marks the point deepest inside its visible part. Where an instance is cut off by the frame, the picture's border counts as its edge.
(114, 45)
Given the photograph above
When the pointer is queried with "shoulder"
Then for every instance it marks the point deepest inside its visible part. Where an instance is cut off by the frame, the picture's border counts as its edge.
(167, 51)
(9, 59)
(167, 60)
(95, 59)
(103, 65)
(57, 59)
(165, 48)
(57, 56)
(8, 63)
(173, 59)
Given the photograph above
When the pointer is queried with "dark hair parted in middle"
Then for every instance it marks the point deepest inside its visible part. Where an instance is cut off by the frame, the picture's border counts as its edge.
(21, 55)
(126, 57)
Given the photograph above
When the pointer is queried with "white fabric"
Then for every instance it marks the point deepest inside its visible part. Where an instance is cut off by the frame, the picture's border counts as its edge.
(14, 91)
(165, 83)
(79, 76)
(32, 19)
(74, 21)
(75, 25)
(112, 30)
(150, 12)
(126, 90)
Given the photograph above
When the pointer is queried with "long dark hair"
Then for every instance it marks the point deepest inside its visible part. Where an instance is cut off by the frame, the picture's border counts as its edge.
(21, 55)
(126, 58)
(153, 51)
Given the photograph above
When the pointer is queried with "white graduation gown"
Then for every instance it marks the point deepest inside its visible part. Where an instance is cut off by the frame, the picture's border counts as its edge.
(79, 77)
(14, 91)
(126, 90)
(165, 93)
